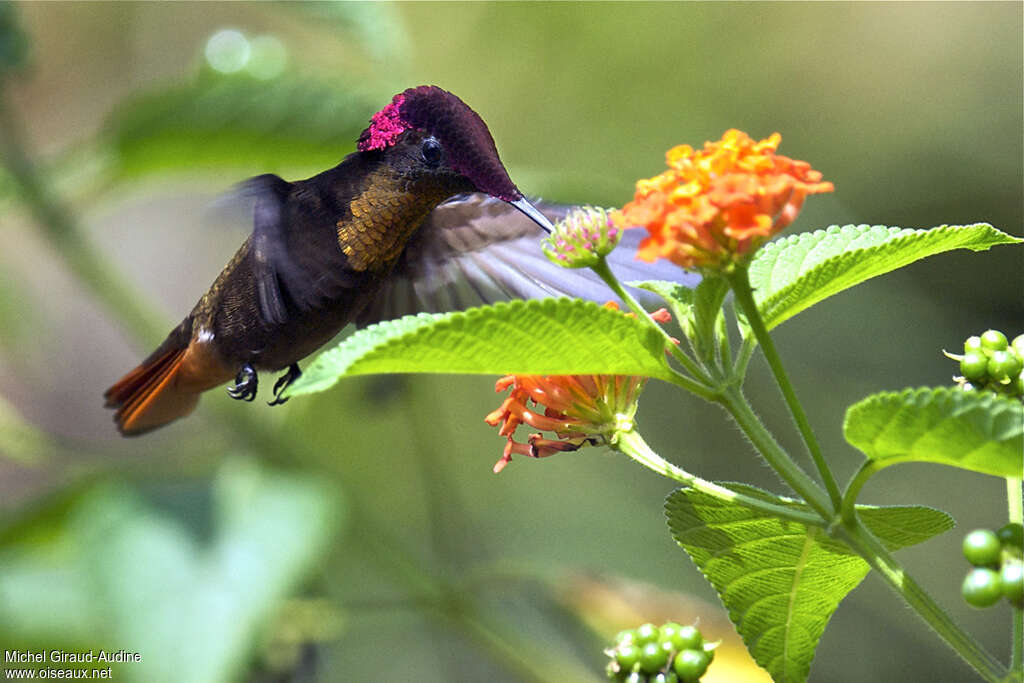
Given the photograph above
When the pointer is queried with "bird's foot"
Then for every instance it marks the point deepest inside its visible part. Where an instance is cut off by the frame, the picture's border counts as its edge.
(246, 382)
(283, 382)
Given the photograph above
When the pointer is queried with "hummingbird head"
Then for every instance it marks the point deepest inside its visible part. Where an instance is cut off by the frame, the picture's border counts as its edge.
(467, 143)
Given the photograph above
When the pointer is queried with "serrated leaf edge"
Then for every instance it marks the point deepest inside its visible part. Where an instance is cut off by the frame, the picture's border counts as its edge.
(397, 331)
(897, 236)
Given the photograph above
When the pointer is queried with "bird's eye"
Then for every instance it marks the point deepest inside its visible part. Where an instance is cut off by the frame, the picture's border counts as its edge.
(431, 151)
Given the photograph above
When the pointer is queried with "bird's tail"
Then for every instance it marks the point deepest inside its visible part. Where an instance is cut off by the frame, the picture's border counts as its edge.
(167, 385)
(150, 396)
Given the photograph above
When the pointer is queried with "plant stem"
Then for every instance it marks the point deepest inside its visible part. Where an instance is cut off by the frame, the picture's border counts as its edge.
(866, 471)
(1015, 513)
(734, 401)
(871, 549)
(701, 388)
(633, 445)
(740, 282)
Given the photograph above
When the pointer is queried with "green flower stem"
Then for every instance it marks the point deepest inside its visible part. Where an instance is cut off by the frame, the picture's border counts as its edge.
(633, 445)
(1015, 510)
(866, 471)
(737, 405)
(703, 380)
(66, 237)
(740, 283)
(871, 549)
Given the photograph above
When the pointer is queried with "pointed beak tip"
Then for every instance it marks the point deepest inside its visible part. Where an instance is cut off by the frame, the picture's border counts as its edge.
(534, 214)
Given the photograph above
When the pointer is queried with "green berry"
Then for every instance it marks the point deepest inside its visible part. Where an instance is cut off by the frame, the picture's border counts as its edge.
(690, 665)
(974, 365)
(652, 658)
(982, 588)
(668, 631)
(636, 677)
(982, 548)
(993, 340)
(625, 637)
(1011, 579)
(1003, 365)
(1018, 345)
(646, 633)
(1011, 536)
(972, 344)
(663, 677)
(688, 638)
(627, 655)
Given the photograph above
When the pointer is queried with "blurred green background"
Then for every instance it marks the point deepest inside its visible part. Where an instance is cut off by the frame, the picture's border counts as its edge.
(360, 535)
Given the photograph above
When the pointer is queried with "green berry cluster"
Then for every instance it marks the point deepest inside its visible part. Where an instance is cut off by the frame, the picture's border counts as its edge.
(998, 569)
(991, 363)
(671, 653)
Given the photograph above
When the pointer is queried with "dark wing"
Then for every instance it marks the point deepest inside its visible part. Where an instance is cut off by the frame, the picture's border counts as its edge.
(294, 247)
(267, 243)
(475, 250)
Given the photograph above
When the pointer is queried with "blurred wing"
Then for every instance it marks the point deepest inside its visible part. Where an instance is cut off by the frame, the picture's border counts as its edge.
(475, 250)
(294, 249)
(267, 243)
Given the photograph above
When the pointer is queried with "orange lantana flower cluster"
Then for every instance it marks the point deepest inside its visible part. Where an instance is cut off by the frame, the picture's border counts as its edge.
(714, 207)
(579, 409)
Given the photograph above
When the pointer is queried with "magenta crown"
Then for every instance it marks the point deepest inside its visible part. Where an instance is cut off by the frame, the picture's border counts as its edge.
(461, 131)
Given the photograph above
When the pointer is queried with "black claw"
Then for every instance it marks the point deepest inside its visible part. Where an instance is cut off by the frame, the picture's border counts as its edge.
(283, 382)
(246, 382)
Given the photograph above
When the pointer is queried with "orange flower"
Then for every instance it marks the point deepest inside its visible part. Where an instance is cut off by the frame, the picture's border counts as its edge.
(579, 409)
(716, 206)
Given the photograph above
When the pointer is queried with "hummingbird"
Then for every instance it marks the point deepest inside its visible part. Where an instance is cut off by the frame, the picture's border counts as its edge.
(422, 216)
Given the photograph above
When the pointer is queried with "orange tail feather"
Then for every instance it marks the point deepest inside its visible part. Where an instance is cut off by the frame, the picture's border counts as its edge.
(151, 395)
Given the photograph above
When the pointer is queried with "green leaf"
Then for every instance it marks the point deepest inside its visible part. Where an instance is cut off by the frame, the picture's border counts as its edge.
(103, 568)
(538, 337)
(680, 300)
(972, 430)
(782, 580)
(236, 122)
(794, 273)
(707, 307)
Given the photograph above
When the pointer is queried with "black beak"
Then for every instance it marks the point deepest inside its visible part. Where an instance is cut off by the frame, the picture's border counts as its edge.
(533, 214)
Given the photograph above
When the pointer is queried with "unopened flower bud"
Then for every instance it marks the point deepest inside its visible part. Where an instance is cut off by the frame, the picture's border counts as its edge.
(583, 237)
